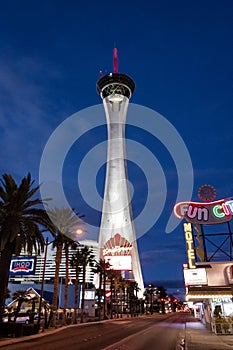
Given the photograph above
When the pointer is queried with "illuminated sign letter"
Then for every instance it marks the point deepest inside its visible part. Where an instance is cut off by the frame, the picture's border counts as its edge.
(202, 214)
(217, 212)
(229, 204)
(183, 209)
(192, 212)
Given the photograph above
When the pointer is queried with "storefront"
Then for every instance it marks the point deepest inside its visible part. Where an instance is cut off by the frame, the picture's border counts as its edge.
(209, 291)
(209, 240)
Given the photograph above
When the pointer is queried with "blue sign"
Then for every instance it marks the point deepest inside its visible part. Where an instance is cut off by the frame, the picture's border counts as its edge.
(22, 266)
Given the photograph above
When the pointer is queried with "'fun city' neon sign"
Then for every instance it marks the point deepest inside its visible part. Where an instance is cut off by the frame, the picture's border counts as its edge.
(205, 213)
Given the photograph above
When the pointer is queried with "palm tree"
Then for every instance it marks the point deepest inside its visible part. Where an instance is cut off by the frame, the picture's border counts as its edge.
(120, 285)
(127, 284)
(87, 258)
(100, 268)
(131, 297)
(124, 285)
(75, 263)
(149, 293)
(58, 244)
(162, 294)
(20, 220)
(46, 308)
(137, 301)
(63, 222)
(114, 277)
(173, 300)
(20, 297)
(34, 299)
(106, 268)
(68, 243)
(117, 291)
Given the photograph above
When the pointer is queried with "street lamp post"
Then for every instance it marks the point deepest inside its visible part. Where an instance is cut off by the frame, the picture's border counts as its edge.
(42, 283)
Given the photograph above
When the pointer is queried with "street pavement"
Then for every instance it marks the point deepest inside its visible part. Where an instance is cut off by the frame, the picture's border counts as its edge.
(195, 336)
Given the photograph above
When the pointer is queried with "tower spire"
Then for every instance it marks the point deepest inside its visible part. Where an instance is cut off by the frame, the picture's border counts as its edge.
(115, 60)
(117, 225)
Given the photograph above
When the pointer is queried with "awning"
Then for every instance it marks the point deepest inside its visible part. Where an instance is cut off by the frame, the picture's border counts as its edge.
(200, 293)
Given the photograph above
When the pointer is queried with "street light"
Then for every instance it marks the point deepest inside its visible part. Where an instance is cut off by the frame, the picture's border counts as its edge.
(79, 231)
(42, 283)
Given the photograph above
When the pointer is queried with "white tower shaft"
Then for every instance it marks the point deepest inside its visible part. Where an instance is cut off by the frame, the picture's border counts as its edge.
(117, 218)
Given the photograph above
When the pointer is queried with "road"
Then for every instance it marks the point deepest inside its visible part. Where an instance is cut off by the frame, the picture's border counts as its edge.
(157, 332)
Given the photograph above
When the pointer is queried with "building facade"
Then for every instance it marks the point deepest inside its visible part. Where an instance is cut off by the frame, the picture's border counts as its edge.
(37, 275)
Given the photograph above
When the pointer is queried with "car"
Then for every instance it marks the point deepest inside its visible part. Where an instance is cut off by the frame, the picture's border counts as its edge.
(23, 318)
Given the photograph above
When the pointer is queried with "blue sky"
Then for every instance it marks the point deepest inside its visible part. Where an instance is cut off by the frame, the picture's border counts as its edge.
(180, 55)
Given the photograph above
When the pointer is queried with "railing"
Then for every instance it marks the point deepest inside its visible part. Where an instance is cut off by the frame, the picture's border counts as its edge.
(223, 325)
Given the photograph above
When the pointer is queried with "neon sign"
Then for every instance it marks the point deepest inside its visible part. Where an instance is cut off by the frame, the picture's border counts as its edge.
(189, 245)
(22, 266)
(117, 250)
(205, 213)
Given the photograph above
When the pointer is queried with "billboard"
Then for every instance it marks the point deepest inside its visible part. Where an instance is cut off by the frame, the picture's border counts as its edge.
(22, 265)
(119, 262)
(205, 213)
(89, 295)
(195, 277)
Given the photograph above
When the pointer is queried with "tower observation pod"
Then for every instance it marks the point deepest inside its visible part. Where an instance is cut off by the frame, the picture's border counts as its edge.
(117, 238)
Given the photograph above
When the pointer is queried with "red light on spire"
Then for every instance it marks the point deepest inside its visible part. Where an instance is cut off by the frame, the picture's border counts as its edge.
(115, 60)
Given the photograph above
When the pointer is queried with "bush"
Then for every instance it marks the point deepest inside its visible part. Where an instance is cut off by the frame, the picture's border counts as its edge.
(68, 321)
(28, 329)
(12, 329)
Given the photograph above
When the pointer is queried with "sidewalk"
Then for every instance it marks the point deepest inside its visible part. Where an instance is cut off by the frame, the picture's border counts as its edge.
(200, 338)
(8, 341)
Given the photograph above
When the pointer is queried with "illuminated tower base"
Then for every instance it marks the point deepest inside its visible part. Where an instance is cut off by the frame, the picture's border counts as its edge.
(117, 239)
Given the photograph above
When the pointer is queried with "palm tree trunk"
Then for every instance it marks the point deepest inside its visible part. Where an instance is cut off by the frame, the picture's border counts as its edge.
(100, 294)
(163, 307)
(20, 301)
(45, 316)
(111, 300)
(104, 309)
(83, 292)
(56, 284)
(127, 300)
(5, 261)
(76, 294)
(32, 313)
(121, 300)
(66, 284)
(116, 297)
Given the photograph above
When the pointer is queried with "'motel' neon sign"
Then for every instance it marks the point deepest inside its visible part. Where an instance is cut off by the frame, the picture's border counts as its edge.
(205, 213)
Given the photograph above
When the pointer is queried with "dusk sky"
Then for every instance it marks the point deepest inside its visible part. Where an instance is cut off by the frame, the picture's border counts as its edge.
(179, 54)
